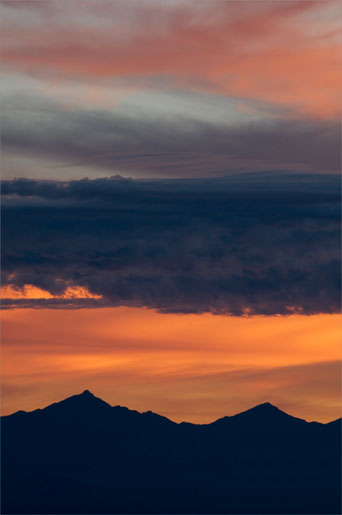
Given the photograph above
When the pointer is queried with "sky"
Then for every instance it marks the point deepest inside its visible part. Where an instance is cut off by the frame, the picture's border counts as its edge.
(171, 204)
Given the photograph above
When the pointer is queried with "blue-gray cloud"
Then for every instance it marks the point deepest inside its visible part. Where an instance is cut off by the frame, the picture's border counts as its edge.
(262, 243)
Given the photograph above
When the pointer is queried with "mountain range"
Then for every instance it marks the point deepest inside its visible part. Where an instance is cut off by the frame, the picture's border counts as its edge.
(82, 455)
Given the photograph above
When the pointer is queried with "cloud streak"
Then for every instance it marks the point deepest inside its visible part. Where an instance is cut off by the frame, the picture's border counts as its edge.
(164, 146)
(264, 51)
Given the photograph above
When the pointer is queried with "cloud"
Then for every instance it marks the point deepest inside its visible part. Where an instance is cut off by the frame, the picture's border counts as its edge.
(281, 52)
(141, 144)
(247, 244)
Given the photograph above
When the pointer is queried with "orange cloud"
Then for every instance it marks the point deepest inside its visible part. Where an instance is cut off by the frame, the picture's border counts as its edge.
(187, 367)
(286, 53)
(32, 292)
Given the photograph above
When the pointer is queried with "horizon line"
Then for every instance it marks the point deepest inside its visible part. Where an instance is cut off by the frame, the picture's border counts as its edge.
(89, 394)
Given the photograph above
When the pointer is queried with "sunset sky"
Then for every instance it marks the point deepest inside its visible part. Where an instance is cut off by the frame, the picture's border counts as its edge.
(171, 205)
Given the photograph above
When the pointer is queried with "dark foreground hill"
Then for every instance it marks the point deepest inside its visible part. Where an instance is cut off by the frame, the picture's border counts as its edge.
(83, 456)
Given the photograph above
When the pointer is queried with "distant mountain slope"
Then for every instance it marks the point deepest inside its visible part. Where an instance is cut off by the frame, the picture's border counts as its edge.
(83, 456)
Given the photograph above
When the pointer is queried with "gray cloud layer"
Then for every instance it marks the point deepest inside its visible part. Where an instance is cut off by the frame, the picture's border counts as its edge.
(266, 243)
(143, 145)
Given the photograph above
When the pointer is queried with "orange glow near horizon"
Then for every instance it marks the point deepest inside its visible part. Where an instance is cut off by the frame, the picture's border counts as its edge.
(186, 367)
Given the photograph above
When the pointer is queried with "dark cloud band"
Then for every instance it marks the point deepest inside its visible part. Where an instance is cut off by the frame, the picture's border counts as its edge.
(251, 244)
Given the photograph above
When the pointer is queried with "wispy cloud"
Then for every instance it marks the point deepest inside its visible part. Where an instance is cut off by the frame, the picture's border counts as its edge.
(281, 52)
(134, 141)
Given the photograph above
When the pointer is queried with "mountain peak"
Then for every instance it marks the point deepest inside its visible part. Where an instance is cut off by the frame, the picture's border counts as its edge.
(267, 413)
(82, 402)
(267, 406)
(87, 393)
(265, 409)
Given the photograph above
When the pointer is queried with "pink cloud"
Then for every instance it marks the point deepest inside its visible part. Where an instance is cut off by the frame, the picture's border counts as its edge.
(269, 51)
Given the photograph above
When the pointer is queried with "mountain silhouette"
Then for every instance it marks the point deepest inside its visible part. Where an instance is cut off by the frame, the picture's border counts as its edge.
(81, 455)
